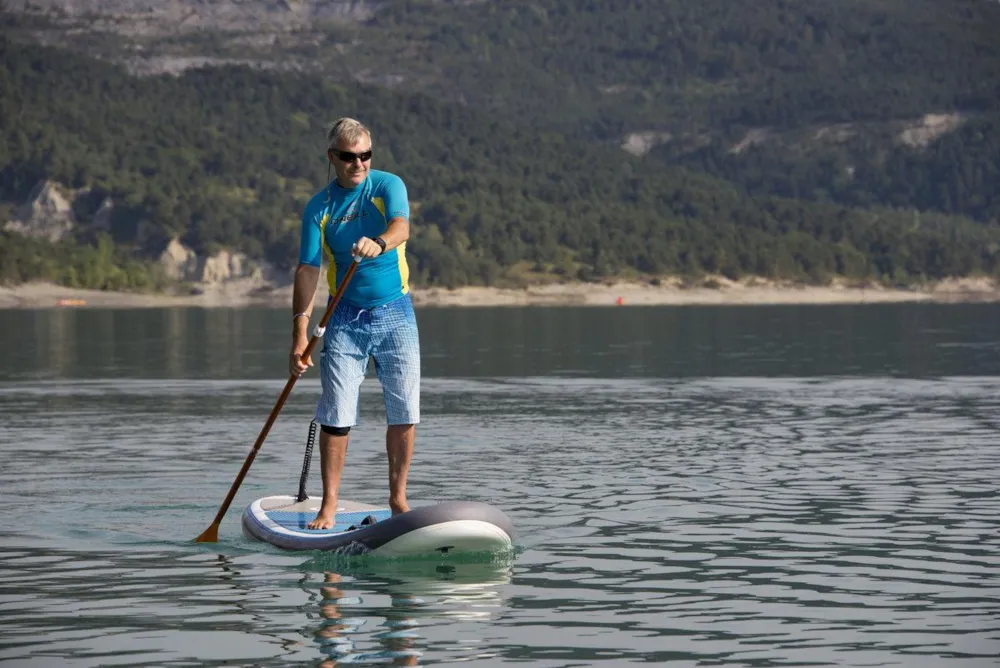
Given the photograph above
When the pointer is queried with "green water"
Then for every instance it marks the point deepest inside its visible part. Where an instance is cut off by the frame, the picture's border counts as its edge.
(691, 487)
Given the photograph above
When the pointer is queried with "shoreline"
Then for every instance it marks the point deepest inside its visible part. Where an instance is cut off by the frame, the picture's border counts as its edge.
(236, 294)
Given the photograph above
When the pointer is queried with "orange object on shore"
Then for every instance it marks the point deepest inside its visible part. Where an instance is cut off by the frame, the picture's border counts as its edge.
(71, 302)
(620, 301)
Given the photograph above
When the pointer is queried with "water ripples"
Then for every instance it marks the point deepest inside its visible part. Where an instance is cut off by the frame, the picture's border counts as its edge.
(705, 521)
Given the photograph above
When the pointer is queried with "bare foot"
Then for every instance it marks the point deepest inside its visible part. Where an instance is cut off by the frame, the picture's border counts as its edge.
(399, 508)
(322, 521)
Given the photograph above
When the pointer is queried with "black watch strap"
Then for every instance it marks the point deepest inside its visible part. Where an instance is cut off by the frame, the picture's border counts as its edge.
(381, 243)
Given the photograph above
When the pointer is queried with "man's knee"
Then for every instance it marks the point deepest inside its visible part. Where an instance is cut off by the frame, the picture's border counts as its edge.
(335, 431)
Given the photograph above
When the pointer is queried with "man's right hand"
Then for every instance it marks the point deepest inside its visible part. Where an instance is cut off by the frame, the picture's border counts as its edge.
(296, 365)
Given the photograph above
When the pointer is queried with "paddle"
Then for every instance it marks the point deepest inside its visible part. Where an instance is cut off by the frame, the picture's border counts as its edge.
(211, 534)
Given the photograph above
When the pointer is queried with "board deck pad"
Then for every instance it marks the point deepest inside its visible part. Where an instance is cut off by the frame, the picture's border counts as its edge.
(296, 519)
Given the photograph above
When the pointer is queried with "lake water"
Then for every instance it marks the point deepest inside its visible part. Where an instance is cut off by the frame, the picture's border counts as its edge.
(761, 486)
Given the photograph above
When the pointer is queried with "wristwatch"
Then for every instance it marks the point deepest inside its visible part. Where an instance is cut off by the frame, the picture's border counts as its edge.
(381, 243)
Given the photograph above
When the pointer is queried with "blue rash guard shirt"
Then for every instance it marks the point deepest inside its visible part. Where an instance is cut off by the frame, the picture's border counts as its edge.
(333, 221)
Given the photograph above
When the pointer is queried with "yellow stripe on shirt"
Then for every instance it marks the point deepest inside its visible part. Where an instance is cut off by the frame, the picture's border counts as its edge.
(331, 270)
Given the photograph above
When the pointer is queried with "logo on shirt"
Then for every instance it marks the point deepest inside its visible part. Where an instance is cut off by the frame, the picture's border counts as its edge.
(350, 216)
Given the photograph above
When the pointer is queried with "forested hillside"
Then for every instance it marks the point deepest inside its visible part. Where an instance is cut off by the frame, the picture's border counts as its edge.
(506, 121)
(619, 65)
(958, 172)
(600, 68)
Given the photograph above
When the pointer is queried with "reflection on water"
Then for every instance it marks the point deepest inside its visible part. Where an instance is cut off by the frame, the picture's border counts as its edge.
(159, 606)
(395, 607)
(336, 632)
(885, 339)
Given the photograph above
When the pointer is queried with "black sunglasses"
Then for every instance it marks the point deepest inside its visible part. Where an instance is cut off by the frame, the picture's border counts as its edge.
(348, 157)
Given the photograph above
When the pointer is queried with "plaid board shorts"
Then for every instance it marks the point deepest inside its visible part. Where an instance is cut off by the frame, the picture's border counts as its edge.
(388, 333)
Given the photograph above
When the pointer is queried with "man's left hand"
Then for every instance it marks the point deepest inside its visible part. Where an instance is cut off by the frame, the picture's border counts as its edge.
(366, 248)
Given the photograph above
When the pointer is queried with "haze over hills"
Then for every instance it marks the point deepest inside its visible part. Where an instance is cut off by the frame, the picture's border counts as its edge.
(580, 132)
(172, 17)
(609, 65)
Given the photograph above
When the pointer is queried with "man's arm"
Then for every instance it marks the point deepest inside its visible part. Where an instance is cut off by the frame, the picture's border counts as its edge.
(303, 296)
(397, 210)
(396, 233)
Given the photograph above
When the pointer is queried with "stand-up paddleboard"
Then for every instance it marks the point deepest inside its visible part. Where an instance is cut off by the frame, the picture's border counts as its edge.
(455, 526)
(443, 528)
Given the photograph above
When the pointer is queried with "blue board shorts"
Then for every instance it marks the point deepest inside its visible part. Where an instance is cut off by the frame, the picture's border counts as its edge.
(387, 333)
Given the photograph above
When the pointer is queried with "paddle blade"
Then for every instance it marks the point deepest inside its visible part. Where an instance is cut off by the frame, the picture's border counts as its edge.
(211, 534)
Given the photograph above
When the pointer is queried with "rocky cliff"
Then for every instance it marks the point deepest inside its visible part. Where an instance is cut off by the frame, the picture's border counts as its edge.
(50, 212)
(183, 264)
(141, 17)
(47, 213)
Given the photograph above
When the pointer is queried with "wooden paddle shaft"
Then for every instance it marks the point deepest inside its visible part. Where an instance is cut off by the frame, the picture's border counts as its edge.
(211, 534)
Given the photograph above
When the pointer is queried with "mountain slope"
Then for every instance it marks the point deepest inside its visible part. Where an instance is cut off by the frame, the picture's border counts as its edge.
(228, 156)
(600, 67)
(753, 94)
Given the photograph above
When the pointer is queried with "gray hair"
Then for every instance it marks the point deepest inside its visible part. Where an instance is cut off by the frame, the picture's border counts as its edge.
(347, 129)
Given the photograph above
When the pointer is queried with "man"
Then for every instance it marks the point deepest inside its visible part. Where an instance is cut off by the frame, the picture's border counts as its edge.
(361, 213)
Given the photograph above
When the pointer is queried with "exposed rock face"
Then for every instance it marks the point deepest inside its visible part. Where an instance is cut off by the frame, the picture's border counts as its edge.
(47, 213)
(641, 143)
(836, 134)
(917, 133)
(924, 131)
(181, 263)
(226, 266)
(142, 17)
(753, 137)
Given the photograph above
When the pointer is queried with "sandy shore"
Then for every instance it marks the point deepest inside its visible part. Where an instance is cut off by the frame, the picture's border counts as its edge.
(720, 292)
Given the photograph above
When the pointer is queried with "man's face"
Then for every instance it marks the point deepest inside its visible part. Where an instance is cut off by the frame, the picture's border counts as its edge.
(351, 171)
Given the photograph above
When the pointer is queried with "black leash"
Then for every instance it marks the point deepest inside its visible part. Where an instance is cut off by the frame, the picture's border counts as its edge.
(310, 441)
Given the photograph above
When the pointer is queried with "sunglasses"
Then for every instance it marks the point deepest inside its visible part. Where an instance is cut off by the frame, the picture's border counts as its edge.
(348, 157)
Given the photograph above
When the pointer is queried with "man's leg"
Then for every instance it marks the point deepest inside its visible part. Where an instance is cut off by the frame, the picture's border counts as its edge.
(332, 453)
(397, 363)
(342, 369)
(399, 446)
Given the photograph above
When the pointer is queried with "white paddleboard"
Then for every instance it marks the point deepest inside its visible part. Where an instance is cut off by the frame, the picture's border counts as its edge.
(443, 528)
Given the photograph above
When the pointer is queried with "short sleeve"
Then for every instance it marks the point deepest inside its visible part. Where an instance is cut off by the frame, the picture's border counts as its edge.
(397, 205)
(310, 243)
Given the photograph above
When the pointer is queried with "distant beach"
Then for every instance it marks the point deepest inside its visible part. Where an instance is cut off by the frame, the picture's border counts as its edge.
(715, 291)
